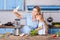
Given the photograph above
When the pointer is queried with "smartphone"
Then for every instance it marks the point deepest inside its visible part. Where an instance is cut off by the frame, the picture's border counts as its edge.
(17, 7)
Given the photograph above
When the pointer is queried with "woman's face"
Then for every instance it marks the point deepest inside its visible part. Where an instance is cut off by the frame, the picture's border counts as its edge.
(34, 11)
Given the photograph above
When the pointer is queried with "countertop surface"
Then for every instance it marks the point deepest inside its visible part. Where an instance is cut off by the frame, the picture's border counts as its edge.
(38, 37)
(2, 26)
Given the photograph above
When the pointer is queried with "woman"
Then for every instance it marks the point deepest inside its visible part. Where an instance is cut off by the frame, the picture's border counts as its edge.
(32, 21)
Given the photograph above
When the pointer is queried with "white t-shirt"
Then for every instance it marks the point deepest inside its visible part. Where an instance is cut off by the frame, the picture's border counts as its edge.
(41, 31)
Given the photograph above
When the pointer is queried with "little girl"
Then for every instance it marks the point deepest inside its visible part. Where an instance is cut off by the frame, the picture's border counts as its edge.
(41, 26)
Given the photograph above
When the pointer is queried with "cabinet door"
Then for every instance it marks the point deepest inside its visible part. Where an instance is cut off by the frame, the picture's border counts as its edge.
(2, 30)
(49, 31)
(5, 30)
(1, 4)
(10, 30)
(54, 31)
(10, 4)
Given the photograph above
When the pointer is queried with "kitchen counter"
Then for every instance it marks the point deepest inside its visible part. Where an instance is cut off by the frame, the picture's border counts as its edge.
(10, 29)
(2, 26)
(12, 37)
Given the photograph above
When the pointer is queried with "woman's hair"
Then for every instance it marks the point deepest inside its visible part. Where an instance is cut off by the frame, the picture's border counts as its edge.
(38, 9)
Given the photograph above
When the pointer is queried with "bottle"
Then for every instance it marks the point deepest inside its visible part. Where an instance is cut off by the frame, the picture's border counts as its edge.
(0, 23)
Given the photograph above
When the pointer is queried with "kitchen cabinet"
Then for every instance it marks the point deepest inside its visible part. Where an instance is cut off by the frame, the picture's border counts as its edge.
(2, 30)
(5, 30)
(53, 30)
(11, 4)
(1, 4)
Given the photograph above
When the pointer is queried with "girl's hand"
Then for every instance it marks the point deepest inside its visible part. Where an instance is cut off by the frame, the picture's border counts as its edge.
(46, 31)
(36, 29)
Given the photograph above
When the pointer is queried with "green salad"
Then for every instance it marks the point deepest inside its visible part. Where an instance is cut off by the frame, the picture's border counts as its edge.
(33, 32)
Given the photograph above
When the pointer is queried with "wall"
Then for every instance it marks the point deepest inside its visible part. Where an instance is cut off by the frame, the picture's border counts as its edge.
(54, 14)
(6, 16)
(42, 2)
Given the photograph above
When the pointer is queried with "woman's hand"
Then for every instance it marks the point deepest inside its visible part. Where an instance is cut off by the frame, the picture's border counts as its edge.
(15, 11)
(17, 14)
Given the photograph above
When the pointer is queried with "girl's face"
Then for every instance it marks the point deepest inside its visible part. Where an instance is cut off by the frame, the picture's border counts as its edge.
(34, 11)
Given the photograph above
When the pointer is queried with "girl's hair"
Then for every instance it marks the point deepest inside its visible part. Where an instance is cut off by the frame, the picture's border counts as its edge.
(38, 9)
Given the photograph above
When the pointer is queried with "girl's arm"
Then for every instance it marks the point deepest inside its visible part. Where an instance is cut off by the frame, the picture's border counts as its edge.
(40, 25)
(39, 28)
(46, 27)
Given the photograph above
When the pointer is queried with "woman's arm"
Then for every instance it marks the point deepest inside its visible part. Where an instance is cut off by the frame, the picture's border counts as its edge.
(17, 14)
